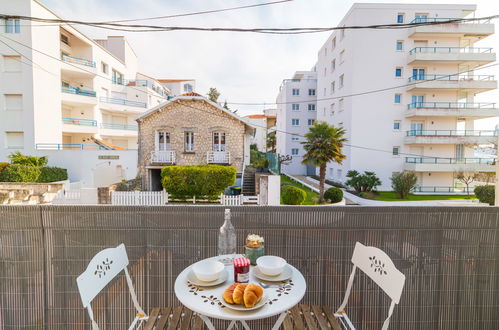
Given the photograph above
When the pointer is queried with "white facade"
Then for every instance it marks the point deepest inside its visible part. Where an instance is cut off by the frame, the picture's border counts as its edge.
(426, 124)
(179, 86)
(59, 89)
(296, 112)
(264, 124)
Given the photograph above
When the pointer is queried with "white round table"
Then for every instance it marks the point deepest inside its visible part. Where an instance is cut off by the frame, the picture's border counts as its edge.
(205, 301)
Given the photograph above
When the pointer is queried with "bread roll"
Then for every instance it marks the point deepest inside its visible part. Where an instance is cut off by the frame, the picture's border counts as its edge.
(252, 295)
(228, 293)
(238, 294)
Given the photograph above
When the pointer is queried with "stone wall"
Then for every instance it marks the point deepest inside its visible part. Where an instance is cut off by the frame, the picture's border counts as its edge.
(179, 117)
(28, 193)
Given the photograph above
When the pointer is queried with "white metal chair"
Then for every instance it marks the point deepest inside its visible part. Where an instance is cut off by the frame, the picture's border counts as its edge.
(379, 267)
(103, 267)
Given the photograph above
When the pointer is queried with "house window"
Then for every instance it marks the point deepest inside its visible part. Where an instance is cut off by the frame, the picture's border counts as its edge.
(296, 91)
(333, 65)
(218, 141)
(341, 104)
(118, 78)
(397, 99)
(188, 88)
(325, 72)
(310, 122)
(339, 173)
(325, 51)
(399, 45)
(400, 18)
(333, 87)
(14, 140)
(104, 68)
(295, 122)
(342, 78)
(324, 91)
(64, 39)
(295, 106)
(398, 72)
(163, 141)
(12, 63)
(189, 141)
(311, 107)
(333, 43)
(332, 106)
(311, 92)
(396, 125)
(12, 26)
(294, 151)
(342, 56)
(294, 138)
(13, 102)
(342, 33)
(396, 151)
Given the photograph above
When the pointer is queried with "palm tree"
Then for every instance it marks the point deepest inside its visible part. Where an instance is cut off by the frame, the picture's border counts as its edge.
(323, 144)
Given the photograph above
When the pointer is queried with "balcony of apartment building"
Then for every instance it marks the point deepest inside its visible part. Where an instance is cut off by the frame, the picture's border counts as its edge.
(471, 56)
(116, 125)
(76, 55)
(120, 104)
(450, 136)
(451, 82)
(452, 109)
(451, 27)
(443, 164)
(79, 125)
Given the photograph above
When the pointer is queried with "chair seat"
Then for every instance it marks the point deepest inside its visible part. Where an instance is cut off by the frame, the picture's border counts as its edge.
(170, 318)
(301, 317)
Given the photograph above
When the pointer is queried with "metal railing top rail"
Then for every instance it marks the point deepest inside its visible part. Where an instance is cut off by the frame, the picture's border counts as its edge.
(123, 102)
(78, 91)
(451, 50)
(441, 189)
(443, 160)
(68, 146)
(451, 77)
(451, 105)
(79, 121)
(457, 20)
(120, 126)
(77, 60)
(451, 133)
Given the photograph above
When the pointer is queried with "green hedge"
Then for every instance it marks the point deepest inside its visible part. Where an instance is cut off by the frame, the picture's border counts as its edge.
(208, 181)
(52, 174)
(486, 194)
(20, 173)
(292, 195)
(335, 195)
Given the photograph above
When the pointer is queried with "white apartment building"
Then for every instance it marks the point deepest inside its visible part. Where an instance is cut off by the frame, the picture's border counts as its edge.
(425, 121)
(296, 112)
(265, 124)
(179, 86)
(61, 90)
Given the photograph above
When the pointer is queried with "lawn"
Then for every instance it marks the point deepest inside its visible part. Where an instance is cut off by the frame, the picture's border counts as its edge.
(389, 196)
(310, 193)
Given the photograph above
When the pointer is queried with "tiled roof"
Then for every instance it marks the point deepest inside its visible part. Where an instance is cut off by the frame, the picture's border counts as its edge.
(259, 116)
(190, 94)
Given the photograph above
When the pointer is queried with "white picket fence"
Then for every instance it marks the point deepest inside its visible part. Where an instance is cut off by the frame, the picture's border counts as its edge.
(77, 196)
(230, 200)
(139, 197)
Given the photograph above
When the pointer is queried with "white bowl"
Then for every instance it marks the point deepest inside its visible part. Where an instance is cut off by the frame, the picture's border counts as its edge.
(271, 265)
(208, 270)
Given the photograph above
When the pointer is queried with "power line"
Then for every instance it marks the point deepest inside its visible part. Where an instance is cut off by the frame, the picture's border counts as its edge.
(294, 30)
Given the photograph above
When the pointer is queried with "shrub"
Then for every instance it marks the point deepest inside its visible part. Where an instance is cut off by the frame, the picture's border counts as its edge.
(403, 182)
(3, 165)
(20, 173)
(335, 195)
(486, 194)
(362, 182)
(19, 158)
(52, 174)
(197, 180)
(292, 195)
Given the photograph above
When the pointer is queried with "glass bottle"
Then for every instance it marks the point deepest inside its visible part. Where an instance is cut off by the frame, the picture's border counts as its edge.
(227, 236)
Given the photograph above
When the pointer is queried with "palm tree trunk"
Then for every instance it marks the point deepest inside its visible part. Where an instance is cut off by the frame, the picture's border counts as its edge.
(322, 176)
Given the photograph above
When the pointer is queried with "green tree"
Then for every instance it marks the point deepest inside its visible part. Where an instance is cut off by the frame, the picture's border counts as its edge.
(19, 158)
(323, 144)
(271, 142)
(403, 182)
(213, 94)
(467, 178)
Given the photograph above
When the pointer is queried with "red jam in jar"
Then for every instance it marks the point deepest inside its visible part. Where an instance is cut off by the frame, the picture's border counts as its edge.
(241, 270)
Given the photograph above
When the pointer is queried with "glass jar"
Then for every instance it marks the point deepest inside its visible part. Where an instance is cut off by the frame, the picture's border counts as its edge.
(241, 270)
(254, 253)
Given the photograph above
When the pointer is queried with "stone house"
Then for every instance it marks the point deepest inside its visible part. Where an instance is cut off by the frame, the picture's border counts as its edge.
(190, 130)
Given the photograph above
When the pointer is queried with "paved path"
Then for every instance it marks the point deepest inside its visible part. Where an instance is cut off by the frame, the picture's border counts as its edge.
(356, 200)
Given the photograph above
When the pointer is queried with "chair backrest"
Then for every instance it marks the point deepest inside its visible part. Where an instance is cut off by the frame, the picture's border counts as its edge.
(380, 268)
(103, 267)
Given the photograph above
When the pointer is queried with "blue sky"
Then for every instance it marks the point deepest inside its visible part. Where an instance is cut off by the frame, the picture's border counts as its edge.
(244, 67)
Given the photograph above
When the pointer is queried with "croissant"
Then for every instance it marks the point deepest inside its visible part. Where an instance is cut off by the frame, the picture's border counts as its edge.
(252, 295)
(237, 295)
(228, 293)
